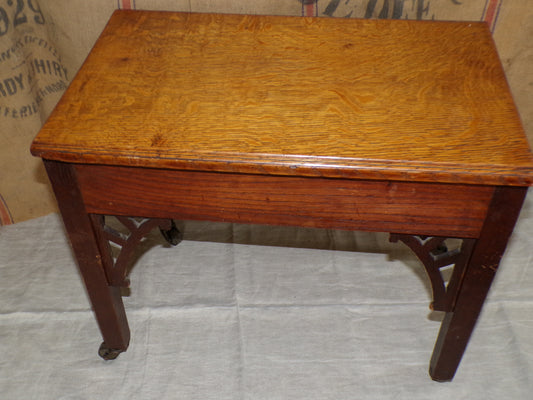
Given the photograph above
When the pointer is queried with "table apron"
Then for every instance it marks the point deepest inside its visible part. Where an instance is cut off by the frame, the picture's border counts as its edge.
(433, 209)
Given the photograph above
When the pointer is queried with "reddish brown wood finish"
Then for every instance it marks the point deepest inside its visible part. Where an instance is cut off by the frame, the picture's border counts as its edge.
(117, 269)
(434, 254)
(106, 300)
(458, 324)
(409, 207)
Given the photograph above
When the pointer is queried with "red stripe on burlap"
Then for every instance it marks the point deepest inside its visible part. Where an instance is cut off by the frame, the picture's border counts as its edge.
(5, 215)
(491, 12)
(126, 4)
(309, 8)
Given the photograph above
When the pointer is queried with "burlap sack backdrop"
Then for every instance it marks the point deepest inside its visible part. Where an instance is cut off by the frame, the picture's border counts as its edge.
(41, 50)
(32, 79)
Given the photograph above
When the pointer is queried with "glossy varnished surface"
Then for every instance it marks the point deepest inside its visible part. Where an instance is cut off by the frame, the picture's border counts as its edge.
(372, 99)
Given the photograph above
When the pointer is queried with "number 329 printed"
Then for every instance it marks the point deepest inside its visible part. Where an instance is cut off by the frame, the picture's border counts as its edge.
(17, 14)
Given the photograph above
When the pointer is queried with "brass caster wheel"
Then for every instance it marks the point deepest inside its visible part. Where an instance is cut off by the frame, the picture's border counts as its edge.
(108, 354)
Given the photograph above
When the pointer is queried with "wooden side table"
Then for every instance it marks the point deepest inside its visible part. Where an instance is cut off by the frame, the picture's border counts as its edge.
(405, 127)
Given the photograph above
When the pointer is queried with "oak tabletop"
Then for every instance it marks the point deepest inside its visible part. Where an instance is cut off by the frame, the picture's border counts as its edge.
(370, 99)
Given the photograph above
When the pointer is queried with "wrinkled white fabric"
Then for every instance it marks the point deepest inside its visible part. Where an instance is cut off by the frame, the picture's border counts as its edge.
(254, 312)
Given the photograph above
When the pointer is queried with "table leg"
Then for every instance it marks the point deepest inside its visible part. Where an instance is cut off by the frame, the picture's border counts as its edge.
(488, 250)
(106, 299)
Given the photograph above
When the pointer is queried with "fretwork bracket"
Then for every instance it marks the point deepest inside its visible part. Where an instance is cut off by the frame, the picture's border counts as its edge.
(117, 263)
(435, 256)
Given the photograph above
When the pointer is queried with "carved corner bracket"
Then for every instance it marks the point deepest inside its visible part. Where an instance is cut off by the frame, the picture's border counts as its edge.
(436, 257)
(118, 246)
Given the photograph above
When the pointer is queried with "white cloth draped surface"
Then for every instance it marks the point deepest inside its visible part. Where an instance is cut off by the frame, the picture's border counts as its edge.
(254, 312)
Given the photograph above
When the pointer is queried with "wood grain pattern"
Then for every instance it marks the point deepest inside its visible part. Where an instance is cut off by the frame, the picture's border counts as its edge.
(407, 207)
(398, 126)
(368, 99)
